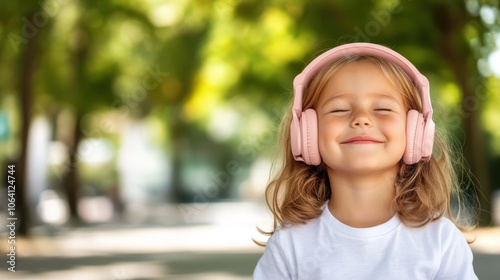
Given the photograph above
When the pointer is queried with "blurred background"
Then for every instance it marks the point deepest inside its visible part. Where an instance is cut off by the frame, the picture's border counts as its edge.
(143, 132)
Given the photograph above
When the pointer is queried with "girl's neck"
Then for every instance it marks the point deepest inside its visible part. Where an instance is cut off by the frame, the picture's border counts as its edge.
(364, 200)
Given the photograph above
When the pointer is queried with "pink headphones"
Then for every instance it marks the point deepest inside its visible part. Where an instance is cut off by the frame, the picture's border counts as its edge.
(304, 126)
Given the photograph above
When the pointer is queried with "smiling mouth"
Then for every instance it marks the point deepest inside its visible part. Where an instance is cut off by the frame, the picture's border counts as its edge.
(361, 140)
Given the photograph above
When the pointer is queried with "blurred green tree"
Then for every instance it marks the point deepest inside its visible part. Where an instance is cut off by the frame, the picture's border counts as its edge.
(85, 77)
(20, 52)
(66, 62)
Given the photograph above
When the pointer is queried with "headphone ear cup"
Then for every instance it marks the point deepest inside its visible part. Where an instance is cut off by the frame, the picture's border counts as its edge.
(310, 149)
(428, 141)
(296, 137)
(414, 137)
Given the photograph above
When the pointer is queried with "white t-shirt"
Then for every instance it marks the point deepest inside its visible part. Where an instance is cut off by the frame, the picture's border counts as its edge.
(325, 248)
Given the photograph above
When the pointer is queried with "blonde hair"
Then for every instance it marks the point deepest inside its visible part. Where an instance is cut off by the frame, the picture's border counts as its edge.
(424, 191)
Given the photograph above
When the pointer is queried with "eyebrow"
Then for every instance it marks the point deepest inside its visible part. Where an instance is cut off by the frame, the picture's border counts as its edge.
(377, 95)
(330, 99)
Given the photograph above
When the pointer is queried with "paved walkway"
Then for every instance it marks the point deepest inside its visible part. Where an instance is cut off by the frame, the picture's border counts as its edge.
(213, 242)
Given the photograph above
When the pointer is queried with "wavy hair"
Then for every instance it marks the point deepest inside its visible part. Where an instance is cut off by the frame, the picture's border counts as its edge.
(424, 191)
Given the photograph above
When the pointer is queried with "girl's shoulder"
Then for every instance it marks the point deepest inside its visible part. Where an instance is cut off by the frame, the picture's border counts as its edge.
(291, 233)
(443, 225)
(441, 232)
(300, 229)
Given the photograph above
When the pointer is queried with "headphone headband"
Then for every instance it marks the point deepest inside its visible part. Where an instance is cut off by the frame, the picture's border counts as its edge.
(419, 80)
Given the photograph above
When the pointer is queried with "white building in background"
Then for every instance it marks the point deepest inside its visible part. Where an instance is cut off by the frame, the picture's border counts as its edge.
(37, 162)
(143, 170)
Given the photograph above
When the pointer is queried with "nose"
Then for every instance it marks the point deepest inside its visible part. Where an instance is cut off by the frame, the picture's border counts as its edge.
(361, 119)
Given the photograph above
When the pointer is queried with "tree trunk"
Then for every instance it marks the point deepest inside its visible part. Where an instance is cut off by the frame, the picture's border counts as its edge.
(70, 180)
(465, 73)
(180, 146)
(474, 143)
(26, 76)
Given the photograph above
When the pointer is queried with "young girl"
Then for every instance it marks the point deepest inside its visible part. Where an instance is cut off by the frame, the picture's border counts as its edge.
(359, 195)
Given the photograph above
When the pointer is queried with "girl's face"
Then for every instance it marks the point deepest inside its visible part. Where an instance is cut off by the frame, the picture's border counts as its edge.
(362, 121)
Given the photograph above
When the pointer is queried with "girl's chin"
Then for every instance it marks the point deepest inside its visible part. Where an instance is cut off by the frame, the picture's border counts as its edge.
(364, 168)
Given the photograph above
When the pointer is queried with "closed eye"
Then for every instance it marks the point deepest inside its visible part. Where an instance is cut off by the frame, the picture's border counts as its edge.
(339, 110)
(383, 109)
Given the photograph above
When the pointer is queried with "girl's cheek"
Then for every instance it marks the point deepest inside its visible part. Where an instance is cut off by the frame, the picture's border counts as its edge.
(393, 118)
